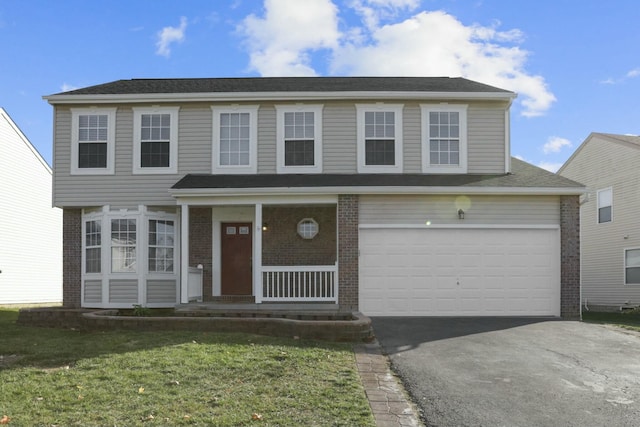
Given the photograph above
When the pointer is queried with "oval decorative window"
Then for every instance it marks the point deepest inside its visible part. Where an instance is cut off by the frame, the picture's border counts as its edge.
(308, 228)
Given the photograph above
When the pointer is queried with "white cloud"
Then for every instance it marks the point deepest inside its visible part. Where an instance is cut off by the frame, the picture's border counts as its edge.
(169, 35)
(550, 166)
(437, 44)
(634, 73)
(554, 144)
(66, 87)
(280, 43)
(373, 11)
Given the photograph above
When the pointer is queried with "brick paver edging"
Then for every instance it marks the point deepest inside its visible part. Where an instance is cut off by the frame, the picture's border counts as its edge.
(387, 397)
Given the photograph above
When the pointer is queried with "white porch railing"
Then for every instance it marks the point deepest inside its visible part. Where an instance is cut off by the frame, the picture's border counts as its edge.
(194, 283)
(300, 283)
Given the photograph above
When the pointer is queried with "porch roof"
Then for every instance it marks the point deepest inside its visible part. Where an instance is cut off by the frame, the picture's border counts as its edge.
(524, 178)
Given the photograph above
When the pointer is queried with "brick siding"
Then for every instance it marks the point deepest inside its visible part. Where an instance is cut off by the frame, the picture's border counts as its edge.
(348, 251)
(200, 245)
(570, 257)
(281, 244)
(71, 258)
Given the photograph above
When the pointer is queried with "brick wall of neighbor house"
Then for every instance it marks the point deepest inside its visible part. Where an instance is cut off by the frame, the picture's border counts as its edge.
(71, 257)
(200, 246)
(281, 244)
(570, 257)
(348, 251)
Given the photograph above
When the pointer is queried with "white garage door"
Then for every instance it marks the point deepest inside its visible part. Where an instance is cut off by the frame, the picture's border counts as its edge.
(460, 272)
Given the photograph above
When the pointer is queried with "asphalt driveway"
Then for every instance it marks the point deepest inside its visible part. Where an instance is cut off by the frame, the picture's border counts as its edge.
(515, 372)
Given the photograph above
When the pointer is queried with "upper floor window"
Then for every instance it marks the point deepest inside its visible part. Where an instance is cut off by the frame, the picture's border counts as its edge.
(299, 138)
(379, 135)
(235, 139)
(93, 141)
(444, 135)
(605, 205)
(155, 140)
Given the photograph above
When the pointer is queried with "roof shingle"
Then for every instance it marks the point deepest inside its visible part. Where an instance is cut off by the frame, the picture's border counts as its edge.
(524, 175)
(286, 84)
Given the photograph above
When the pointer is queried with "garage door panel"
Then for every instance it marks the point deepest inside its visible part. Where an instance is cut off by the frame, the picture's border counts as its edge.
(453, 272)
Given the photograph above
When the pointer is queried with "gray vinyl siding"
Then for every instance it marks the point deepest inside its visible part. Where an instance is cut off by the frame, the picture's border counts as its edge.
(442, 209)
(486, 139)
(486, 142)
(604, 164)
(339, 149)
(267, 138)
(161, 291)
(93, 291)
(123, 291)
(412, 138)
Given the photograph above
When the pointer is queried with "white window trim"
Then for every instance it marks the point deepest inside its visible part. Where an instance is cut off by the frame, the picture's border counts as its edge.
(624, 263)
(426, 158)
(317, 141)
(399, 129)
(598, 205)
(142, 274)
(300, 231)
(252, 168)
(75, 143)
(173, 140)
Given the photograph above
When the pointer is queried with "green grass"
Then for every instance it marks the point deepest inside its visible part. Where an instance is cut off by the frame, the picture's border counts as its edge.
(122, 378)
(626, 319)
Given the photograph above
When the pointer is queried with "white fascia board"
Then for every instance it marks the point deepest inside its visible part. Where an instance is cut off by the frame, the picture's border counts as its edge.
(249, 200)
(472, 226)
(256, 192)
(271, 96)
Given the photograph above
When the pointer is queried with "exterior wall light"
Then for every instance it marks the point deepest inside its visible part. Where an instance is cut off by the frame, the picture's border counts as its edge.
(265, 227)
(460, 214)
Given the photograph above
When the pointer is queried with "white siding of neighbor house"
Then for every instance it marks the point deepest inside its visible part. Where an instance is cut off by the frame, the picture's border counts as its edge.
(599, 164)
(30, 228)
(443, 209)
(486, 148)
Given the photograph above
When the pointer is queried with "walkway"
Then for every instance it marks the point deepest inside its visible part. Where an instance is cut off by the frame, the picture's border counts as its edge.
(387, 397)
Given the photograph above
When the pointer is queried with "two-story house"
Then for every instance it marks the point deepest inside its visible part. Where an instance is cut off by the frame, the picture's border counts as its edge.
(392, 196)
(610, 240)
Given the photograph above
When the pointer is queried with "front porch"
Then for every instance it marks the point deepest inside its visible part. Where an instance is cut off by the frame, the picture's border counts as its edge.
(280, 263)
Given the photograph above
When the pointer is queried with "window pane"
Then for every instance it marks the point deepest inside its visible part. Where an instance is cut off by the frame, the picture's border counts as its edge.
(380, 152)
(93, 260)
(92, 127)
(161, 241)
(632, 258)
(234, 139)
(155, 127)
(123, 245)
(604, 214)
(299, 153)
(632, 275)
(154, 154)
(92, 155)
(605, 198)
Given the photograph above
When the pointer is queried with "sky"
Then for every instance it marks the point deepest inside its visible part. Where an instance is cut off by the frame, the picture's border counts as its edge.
(575, 64)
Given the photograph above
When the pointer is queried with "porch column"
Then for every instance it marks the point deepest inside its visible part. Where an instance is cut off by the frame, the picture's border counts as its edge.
(184, 254)
(257, 255)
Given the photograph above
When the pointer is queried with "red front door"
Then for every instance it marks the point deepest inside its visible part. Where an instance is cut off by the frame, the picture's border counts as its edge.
(236, 258)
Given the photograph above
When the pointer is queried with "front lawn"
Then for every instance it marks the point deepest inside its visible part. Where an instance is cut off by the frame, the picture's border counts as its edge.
(624, 319)
(122, 378)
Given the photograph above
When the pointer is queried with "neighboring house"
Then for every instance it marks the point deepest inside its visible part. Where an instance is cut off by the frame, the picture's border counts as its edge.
(392, 196)
(610, 227)
(30, 228)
